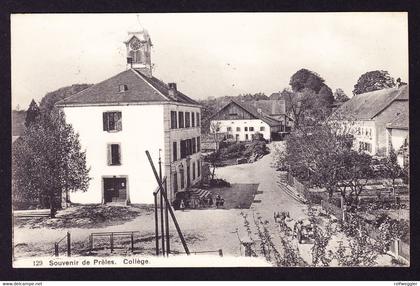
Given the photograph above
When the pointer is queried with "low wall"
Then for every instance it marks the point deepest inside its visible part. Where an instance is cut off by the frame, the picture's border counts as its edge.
(305, 191)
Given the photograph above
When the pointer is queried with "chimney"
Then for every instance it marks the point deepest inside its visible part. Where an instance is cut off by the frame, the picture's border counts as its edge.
(172, 89)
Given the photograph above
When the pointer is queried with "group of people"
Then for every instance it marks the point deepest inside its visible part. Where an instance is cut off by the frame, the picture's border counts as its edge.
(204, 202)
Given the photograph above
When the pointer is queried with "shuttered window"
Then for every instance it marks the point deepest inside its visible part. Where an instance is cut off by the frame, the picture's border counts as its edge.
(187, 120)
(175, 182)
(192, 119)
(173, 120)
(112, 121)
(198, 144)
(194, 149)
(181, 119)
(114, 154)
(174, 151)
(198, 119)
(193, 170)
(198, 168)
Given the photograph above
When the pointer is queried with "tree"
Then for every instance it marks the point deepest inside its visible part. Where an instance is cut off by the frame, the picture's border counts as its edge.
(48, 162)
(48, 101)
(340, 95)
(373, 80)
(32, 113)
(304, 78)
(214, 158)
(389, 168)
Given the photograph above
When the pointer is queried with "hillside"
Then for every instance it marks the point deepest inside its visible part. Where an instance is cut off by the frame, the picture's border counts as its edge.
(18, 122)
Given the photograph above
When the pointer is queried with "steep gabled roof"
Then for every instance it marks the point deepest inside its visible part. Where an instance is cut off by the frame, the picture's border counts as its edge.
(366, 106)
(270, 107)
(140, 88)
(401, 120)
(249, 108)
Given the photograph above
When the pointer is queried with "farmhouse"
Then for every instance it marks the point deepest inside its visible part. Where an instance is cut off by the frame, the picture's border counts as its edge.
(121, 117)
(242, 120)
(368, 116)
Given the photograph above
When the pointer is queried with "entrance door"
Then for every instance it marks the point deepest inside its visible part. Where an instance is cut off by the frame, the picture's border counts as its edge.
(115, 190)
(188, 177)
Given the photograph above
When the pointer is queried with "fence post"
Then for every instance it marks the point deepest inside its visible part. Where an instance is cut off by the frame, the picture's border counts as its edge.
(132, 242)
(68, 244)
(220, 253)
(397, 248)
(91, 242)
(156, 225)
(112, 241)
(55, 248)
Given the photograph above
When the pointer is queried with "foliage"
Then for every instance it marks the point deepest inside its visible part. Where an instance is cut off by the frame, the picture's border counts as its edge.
(392, 229)
(48, 161)
(373, 80)
(48, 101)
(304, 78)
(340, 95)
(220, 183)
(32, 114)
(323, 157)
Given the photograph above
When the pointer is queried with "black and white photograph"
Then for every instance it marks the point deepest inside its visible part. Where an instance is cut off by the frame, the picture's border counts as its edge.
(210, 140)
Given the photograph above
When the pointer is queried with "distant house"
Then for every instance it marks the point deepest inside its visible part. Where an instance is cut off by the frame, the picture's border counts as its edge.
(121, 117)
(242, 120)
(367, 117)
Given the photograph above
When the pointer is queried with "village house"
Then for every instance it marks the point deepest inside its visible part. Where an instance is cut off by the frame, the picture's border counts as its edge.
(370, 116)
(121, 117)
(242, 120)
(398, 136)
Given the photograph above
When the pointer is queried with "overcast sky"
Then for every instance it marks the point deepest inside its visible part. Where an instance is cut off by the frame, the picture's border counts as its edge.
(213, 54)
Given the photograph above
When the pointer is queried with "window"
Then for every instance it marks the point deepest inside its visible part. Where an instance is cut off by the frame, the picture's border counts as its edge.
(136, 56)
(251, 128)
(193, 170)
(173, 120)
(233, 114)
(217, 129)
(174, 151)
(198, 168)
(182, 178)
(192, 119)
(230, 136)
(181, 119)
(175, 182)
(187, 120)
(114, 155)
(198, 119)
(238, 128)
(122, 87)
(246, 129)
(229, 128)
(183, 149)
(246, 136)
(198, 144)
(262, 128)
(112, 121)
(194, 149)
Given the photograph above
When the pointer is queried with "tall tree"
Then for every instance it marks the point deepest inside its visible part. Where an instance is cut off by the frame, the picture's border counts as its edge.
(48, 162)
(340, 95)
(32, 113)
(304, 78)
(373, 80)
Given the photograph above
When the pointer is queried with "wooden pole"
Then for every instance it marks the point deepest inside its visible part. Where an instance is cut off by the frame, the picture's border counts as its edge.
(181, 236)
(156, 225)
(168, 248)
(112, 242)
(56, 249)
(132, 242)
(68, 244)
(162, 206)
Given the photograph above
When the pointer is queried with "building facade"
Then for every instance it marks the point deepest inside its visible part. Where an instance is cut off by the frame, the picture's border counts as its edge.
(241, 122)
(121, 117)
(367, 116)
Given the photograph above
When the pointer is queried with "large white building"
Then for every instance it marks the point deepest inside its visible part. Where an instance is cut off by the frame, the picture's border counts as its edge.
(240, 121)
(121, 117)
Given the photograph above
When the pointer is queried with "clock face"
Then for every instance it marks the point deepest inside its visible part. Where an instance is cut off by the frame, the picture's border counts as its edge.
(135, 45)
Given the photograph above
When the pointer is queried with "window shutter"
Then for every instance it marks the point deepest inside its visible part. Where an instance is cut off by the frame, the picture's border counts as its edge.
(118, 120)
(108, 151)
(105, 121)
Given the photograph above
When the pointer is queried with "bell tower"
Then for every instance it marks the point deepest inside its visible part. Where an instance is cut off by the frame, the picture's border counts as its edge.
(138, 47)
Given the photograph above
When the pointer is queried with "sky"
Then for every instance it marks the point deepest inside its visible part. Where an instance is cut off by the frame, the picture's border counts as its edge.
(206, 54)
